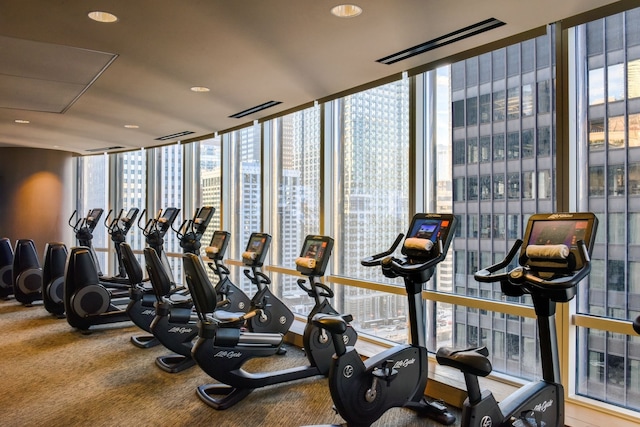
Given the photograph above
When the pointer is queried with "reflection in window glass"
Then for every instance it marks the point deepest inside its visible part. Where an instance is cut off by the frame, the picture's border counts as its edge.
(634, 129)
(596, 181)
(596, 134)
(615, 81)
(616, 180)
(485, 149)
(633, 84)
(472, 150)
(513, 145)
(498, 105)
(615, 132)
(527, 100)
(596, 86)
(544, 97)
(498, 147)
(513, 103)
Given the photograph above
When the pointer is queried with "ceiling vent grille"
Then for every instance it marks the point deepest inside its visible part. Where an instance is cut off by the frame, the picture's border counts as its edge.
(174, 135)
(101, 150)
(255, 109)
(463, 33)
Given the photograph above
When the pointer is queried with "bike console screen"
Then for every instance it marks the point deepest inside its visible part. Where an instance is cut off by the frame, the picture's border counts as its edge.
(425, 231)
(218, 245)
(256, 250)
(168, 217)
(315, 255)
(553, 237)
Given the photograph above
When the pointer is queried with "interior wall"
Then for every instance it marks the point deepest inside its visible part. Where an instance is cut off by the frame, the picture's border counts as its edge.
(35, 195)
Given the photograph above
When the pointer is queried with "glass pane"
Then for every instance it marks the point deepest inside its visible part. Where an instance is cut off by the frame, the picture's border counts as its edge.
(373, 181)
(93, 192)
(169, 183)
(607, 363)
(211, 183)
(132, 170)
(246, 170)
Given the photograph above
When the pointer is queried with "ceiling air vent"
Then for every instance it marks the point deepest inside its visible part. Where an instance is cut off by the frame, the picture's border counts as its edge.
(174, 135)
(452, 37)
(103, 149)
(255, 109)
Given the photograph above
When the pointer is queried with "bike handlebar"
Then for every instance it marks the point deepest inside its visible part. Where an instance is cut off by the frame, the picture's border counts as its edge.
(524, 275)
(408, 268)
(374, 260)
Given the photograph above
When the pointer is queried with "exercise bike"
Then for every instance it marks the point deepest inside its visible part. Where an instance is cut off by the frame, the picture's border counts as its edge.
(274, 315)
(636, 325)
(362, 391)
(554, 258)
(143, 308)
(223, 348)
(226, 290)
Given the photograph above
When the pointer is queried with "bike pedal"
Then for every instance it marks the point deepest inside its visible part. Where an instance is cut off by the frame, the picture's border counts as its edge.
(438, 406)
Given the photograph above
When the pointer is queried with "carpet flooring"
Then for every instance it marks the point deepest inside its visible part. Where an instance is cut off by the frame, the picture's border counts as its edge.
(53, 375)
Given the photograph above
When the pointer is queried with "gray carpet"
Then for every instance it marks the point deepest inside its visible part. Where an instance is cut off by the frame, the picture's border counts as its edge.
(53, 375)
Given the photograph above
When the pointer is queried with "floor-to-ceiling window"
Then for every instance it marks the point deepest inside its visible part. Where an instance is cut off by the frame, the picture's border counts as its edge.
(502, 162)
(371, 201)
(607, 75)
(93, 193)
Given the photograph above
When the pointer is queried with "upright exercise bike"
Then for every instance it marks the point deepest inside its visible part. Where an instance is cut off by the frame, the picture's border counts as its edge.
(274, 315)
(362, 391)
(236, 299)
(223, 348)
(554, 258)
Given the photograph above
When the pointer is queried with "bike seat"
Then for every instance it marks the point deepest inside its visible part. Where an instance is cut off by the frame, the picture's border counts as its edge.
(335, 324)
(471, 361)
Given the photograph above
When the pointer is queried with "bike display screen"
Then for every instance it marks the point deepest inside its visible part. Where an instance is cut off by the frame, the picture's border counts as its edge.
(218, 241)
(561, 229)
(317, 248)
(432, 227)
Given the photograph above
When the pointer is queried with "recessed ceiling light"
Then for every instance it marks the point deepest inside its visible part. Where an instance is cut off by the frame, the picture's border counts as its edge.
(346, 10)
(22, 122)
(131, 126)
(100, 16)
(200, 89)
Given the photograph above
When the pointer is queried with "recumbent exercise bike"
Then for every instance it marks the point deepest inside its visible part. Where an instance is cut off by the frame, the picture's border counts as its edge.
(223, 347)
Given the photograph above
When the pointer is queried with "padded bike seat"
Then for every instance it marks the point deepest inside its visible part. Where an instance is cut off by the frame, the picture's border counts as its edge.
(473, 360)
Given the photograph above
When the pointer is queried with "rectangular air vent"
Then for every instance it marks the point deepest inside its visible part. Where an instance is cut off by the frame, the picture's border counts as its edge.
(452, 37)
(255, 109)
(174, 135)
(100, 150)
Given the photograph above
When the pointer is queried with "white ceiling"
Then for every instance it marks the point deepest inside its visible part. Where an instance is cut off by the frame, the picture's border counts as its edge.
(55, 68)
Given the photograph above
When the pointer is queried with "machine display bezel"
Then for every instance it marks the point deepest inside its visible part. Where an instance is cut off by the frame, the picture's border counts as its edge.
(433, 227)
(577, 226)
(319, 248)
